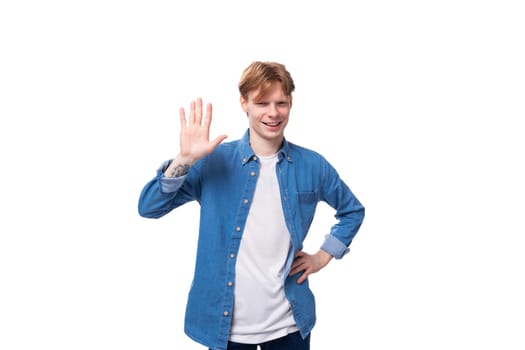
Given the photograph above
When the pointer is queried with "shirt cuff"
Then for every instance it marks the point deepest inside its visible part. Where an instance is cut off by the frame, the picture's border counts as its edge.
(169, 184)
(334, 247)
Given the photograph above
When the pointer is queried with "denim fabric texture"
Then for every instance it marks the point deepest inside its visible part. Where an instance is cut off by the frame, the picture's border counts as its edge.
(223, 183)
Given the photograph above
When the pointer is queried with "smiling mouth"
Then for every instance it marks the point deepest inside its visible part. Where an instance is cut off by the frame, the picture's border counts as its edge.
(272, 124)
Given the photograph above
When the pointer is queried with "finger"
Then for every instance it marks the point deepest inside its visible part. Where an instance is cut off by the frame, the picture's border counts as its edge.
(192, 112)
(299, 254)
(182, 114)
(297, 266)
(218, 140)
(198, 111)
(208, 117)
(295, 271)
(303, 277)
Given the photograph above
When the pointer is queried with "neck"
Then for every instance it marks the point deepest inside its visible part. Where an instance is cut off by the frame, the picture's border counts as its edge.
(264, 147)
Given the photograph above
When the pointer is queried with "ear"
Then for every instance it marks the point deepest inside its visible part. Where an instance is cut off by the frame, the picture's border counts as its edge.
(291, 99)
(244, 104)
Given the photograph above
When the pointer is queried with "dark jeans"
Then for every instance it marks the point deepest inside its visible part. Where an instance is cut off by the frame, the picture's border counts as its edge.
(292, 341)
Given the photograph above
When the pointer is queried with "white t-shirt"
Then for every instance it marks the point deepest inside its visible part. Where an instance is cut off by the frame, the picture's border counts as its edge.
(261, 311)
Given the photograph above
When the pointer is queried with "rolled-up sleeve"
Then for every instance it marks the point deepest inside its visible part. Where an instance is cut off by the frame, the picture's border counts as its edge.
(334, 247)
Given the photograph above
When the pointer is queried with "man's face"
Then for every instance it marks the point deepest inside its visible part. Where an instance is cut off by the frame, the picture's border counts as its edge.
(268, 116)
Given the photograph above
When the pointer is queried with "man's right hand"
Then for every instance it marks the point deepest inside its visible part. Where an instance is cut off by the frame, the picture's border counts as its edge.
(194, 136)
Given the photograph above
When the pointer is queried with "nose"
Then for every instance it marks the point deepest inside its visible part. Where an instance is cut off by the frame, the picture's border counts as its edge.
(273, 109)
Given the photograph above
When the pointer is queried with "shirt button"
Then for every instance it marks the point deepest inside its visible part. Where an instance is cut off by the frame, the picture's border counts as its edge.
(232, 255)
(254, 158)
(245, 201)
(225, 313)
(252, 173)
(237, 229)
(230, 283)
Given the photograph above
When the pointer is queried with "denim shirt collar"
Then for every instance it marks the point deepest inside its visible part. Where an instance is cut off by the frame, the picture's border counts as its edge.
(247, 154)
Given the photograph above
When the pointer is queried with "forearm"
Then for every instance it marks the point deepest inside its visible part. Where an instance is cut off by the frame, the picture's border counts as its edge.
(153, 202)
(163, 193)
(178, 166)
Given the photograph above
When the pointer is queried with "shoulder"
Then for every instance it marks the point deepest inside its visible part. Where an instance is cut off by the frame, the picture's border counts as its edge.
(310, 161)
(305, 154)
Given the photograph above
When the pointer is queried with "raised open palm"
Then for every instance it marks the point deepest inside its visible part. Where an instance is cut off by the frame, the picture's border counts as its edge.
(195, 132)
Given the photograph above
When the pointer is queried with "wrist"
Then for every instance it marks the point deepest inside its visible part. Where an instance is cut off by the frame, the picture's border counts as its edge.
(181, 159)
(324, 256)
(177, 169)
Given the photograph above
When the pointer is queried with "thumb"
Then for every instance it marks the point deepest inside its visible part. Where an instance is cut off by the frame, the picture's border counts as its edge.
(218, 140)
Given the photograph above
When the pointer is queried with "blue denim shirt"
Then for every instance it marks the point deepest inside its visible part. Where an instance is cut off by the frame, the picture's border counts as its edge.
(223, 183)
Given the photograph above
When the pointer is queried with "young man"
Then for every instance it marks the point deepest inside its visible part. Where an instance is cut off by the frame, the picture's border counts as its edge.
(257, 197)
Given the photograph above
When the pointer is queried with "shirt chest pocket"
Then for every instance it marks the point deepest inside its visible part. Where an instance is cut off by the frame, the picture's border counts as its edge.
(307, 203)
(307, 197)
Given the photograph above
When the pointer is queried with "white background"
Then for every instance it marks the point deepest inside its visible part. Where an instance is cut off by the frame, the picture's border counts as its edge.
(418, 104)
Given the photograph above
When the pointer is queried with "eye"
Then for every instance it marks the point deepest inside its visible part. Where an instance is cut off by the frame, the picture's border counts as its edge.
(261, 104)
(283, 104)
